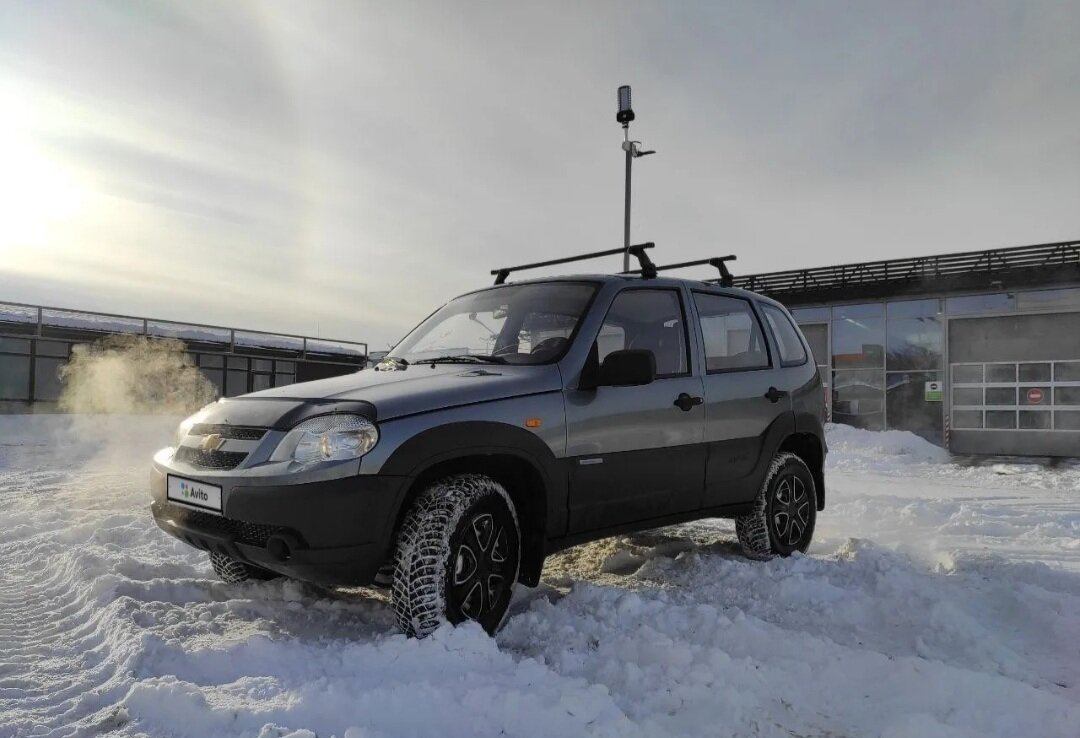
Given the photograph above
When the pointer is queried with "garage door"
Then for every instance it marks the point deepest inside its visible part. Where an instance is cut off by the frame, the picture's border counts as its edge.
(1015, 385)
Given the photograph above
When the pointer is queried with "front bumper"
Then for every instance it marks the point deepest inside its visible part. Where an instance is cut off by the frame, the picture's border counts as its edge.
(334, 531)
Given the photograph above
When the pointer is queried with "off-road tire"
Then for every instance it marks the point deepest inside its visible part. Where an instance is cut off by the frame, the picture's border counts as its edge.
(234, 572)
(761, 532)
(429, 573)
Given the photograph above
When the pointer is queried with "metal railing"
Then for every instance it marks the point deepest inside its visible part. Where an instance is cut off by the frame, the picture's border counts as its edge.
(23, 319)
(916, 269)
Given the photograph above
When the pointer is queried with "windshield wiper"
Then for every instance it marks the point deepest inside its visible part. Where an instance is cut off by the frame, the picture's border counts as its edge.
(464, 359)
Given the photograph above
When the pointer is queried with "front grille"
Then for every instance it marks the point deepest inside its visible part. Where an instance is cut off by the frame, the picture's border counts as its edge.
(228, 432)
(210, 459)
(253, 534)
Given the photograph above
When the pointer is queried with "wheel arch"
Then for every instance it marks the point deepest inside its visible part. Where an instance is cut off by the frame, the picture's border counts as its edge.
(512, 456)
(809, 448)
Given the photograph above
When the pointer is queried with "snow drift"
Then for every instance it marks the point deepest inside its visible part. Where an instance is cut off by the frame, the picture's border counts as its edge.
(934, 603)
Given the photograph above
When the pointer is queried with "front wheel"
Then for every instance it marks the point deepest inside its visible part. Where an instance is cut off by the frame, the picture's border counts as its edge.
(458, 553)
(785, 511)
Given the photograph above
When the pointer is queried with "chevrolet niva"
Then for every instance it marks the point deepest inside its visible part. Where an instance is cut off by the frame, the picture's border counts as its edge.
(515, 421)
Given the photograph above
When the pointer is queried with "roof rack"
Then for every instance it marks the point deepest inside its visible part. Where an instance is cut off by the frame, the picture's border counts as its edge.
(726, 278)
(648, 269)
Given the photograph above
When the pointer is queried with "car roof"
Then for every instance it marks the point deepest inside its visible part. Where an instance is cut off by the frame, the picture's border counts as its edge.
(658, 281)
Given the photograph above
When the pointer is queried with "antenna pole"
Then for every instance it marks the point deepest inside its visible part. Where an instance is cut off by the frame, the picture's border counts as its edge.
(626, 214)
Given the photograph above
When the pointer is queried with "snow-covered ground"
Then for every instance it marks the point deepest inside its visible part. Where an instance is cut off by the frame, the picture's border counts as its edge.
(939, 600)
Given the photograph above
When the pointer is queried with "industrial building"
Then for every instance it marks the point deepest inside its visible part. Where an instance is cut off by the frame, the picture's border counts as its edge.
(36, 343)
(977, 351)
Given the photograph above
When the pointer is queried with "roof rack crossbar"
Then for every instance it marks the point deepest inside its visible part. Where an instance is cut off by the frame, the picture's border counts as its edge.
(726, 278)
(637, 250)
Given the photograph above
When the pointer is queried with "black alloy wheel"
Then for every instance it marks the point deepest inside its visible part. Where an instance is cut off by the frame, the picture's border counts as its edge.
(483, 565)
(791, 513)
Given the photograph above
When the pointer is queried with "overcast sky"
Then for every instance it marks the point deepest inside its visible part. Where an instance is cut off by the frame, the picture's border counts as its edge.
(341, 168)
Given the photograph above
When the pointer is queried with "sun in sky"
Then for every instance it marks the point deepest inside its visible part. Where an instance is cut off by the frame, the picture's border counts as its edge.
(39, 196)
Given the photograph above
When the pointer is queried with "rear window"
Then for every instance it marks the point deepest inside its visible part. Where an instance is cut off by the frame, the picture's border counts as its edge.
(733, 338)
(792, 351)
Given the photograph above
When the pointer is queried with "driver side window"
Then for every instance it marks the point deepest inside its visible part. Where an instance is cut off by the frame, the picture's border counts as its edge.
(647, 319)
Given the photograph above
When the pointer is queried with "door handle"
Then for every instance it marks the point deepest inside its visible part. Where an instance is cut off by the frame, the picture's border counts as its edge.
(774, 395)
(686, 402)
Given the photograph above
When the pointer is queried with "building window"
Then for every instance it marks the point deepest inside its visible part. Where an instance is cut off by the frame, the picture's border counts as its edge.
(858, 336)
(236, 383)
(859, 398)
(14, 377)
(906, 406)
(914, 343)
(52, 348)
(216, 377)
(47, 384)
(973, 304)
(1048, 299)
(14, 345)
(812, 315)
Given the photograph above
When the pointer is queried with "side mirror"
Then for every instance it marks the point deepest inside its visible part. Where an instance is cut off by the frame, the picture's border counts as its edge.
(628, 368)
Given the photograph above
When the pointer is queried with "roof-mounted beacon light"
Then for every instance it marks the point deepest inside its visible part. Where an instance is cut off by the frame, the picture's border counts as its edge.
(626, 113)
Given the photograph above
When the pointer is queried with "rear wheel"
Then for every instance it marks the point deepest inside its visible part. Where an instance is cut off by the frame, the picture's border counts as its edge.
(234, 572)
(458, 554)
(785, 511)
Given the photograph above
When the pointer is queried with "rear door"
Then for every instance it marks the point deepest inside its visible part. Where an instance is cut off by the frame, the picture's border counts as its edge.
(633, 453)
(743, 395)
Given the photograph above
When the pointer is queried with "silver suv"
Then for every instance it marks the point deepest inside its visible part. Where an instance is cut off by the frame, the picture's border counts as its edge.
(513, 422)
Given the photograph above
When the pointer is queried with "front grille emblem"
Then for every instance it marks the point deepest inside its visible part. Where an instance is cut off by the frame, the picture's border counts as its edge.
(212, 442)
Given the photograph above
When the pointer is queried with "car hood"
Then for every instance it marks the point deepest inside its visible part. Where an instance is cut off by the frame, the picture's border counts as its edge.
(389, 394)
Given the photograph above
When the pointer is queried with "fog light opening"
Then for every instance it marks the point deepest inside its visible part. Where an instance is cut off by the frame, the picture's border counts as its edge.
(279, 548)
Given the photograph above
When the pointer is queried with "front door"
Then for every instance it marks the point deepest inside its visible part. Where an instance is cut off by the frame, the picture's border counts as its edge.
(743, 396)
(636, 453)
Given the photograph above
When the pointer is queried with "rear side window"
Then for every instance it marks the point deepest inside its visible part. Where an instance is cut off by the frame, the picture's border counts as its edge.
(732, 334)
(792, 351)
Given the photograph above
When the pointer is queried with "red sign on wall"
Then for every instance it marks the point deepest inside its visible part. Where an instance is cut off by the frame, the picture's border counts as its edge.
(1034, 396)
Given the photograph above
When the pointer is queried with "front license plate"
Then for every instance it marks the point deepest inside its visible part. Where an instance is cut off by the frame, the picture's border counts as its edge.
(194, 494)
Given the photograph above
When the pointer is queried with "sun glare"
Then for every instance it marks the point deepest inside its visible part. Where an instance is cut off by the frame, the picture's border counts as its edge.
(38, 195)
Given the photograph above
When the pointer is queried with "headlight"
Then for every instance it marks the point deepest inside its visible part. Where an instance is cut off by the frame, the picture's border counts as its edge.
(327, 438)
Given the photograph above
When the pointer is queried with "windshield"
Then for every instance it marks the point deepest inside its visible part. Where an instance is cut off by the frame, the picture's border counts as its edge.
(514, 324)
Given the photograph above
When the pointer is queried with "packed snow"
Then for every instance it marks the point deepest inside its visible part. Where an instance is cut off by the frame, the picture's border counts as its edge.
(940, 599)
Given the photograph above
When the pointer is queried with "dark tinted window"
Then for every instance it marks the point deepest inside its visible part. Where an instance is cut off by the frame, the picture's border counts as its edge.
(47, 385)
(15, 345)
(732, 334)
(52, 348)
(647, 319)
(235, 383)
(14, 377)
(787, 336)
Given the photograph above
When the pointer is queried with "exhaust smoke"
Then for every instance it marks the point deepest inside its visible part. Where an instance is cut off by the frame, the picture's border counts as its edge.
(133, 375)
